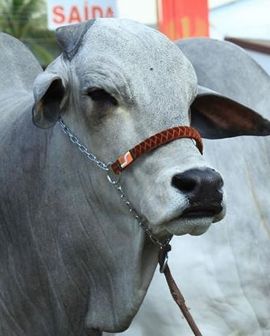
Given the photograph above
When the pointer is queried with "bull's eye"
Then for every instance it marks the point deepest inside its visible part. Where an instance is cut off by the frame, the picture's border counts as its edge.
(101, 96)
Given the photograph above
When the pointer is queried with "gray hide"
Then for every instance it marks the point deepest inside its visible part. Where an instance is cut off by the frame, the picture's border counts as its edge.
(224, 274)
(73, 260)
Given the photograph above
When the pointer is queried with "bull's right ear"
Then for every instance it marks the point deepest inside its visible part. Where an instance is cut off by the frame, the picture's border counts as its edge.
(49, 92)
(216, 117)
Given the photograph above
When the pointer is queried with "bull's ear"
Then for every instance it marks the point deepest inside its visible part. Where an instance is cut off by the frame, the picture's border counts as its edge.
(49, 93)
(222, 115)
(216, 116)
(69, 38)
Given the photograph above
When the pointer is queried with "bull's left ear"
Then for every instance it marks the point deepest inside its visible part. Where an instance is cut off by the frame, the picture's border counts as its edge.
(49, 92)
(216, 116)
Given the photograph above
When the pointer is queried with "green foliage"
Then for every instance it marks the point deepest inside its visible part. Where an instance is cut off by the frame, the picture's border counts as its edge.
(26, 20)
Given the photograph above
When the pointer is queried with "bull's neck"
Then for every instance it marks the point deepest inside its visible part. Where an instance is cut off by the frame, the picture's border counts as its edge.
(72, 252)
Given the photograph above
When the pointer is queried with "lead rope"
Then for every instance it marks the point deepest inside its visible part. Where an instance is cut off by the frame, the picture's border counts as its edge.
(118, 166)
(174, 289)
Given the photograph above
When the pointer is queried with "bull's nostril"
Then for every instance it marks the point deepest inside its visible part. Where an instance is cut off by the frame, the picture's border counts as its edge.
(199, 185)
(185, 184)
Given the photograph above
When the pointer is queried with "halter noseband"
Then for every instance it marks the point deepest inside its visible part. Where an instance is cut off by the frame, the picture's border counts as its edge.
(154, 142)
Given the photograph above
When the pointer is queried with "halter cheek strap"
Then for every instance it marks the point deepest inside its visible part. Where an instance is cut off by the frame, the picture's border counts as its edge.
(154, 142)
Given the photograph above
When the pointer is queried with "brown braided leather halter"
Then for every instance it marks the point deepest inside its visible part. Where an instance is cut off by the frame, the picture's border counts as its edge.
(154, 142)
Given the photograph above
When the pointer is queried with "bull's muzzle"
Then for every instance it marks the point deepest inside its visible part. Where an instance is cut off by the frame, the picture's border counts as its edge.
(203, 189)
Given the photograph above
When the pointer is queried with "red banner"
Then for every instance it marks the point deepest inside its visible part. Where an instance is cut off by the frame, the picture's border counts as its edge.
(183, 18)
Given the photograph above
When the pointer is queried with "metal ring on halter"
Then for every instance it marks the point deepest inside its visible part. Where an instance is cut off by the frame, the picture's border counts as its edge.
(111, 176)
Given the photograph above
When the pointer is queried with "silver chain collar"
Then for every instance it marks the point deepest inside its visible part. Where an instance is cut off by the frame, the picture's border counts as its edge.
(114, 180)
(75, 140)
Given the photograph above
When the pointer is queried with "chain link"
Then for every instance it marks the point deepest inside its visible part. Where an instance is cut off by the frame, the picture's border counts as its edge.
(114, 180)
(133, 212)
(75, 140)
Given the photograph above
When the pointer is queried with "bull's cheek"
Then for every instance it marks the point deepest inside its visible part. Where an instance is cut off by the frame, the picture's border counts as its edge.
(160, 204)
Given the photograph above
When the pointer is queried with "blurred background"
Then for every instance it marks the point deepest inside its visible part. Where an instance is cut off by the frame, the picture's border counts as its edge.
(244, 22)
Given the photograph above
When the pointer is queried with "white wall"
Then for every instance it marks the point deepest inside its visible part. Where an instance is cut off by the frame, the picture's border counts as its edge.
(247, 18)
(144, 11)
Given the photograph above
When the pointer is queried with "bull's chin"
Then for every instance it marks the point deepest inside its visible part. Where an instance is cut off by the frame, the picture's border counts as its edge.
(193, 226)
(193, 223)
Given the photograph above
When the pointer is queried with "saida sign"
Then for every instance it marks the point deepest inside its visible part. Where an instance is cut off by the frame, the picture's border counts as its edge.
(64, 12)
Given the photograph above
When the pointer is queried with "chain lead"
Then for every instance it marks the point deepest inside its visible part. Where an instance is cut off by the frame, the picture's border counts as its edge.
(75, 140)
(114, 180)
(133, 212)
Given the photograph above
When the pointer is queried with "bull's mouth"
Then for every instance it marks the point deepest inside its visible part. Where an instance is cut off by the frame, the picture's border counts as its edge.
(200, 212)
(194, 220)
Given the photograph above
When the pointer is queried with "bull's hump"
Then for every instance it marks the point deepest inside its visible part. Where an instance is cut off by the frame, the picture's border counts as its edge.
(18, 69)
(18, 66)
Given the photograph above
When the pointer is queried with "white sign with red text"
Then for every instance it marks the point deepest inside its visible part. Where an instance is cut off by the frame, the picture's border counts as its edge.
(64, 12)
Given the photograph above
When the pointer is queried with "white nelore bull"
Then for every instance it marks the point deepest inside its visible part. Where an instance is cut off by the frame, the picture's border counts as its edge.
(224, 274)
(73, 259)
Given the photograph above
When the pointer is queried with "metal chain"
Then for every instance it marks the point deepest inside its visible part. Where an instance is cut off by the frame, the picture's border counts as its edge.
(75, 140)
(133, 212)
(114, 180)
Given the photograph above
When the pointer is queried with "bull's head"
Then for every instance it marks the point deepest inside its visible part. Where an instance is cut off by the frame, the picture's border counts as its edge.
(117, 83)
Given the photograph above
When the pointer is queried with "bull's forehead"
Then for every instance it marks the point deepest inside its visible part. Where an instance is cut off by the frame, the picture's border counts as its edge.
(136, 60)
